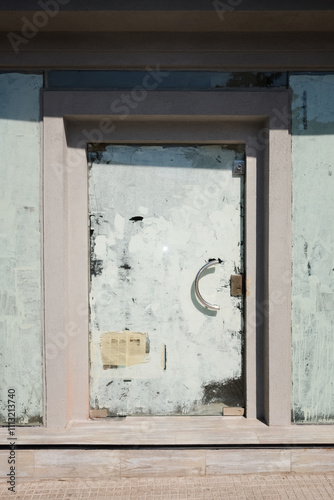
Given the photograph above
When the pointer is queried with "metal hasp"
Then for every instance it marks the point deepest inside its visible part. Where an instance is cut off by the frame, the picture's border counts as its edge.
(236, 285)
(239, 167)
(206, 304)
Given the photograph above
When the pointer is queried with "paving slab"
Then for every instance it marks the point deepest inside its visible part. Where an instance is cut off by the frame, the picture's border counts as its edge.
(224, 487)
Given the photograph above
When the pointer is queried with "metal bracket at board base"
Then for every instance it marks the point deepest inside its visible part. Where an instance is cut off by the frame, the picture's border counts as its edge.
(239, 167)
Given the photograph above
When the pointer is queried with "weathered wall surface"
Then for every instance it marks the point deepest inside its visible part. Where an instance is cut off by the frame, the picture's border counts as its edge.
(313, 243)
(20, 242)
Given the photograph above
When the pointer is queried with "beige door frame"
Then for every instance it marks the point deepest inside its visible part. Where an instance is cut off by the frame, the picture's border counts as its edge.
(260, 120)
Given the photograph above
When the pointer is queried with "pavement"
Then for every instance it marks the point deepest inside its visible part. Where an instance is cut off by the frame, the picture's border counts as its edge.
(227, 487)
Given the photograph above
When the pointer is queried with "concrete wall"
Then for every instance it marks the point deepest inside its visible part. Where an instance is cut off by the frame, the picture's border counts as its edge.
(20, 247)
(313, 242)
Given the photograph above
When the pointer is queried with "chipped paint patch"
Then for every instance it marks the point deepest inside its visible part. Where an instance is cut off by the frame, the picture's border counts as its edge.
(120, 349)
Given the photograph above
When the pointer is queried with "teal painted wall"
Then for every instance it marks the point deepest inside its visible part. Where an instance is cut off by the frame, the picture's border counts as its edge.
(313, 248)
(20, 247)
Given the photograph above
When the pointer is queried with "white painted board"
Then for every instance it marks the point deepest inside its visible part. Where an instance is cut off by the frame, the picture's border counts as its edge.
(157, 215)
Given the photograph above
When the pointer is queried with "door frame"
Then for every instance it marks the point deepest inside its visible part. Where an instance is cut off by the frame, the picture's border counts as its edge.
(260, 120)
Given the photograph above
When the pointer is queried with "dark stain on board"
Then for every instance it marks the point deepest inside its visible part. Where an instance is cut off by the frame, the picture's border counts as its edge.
(236, 148)
(298, 415)
(136, 218)
(96, 146)
(219, 260)
(165, 358)
(96, 267)
(237, 269)
(33, 420)
(305, 248)
(229, 392)
(125, 266)
(147, 345)
(256, 79)
(305, 110)
(24, 418)
(95, 153)
(309, 268)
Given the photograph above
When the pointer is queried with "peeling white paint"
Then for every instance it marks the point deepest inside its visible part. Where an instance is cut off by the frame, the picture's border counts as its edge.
(119, 226)
(313, 243)
(100, 246)
(147, 277)
(20, 256)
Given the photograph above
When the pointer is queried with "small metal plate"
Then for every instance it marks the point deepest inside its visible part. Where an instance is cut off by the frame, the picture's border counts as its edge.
(235, 412)
(236, 285)
(239, 167)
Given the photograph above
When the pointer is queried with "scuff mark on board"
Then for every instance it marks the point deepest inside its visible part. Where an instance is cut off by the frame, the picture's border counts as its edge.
(309, 268)
(305, 248)
(8, 304)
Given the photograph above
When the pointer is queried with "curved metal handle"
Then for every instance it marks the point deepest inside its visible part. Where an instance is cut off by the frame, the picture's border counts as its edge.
(197, 292)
